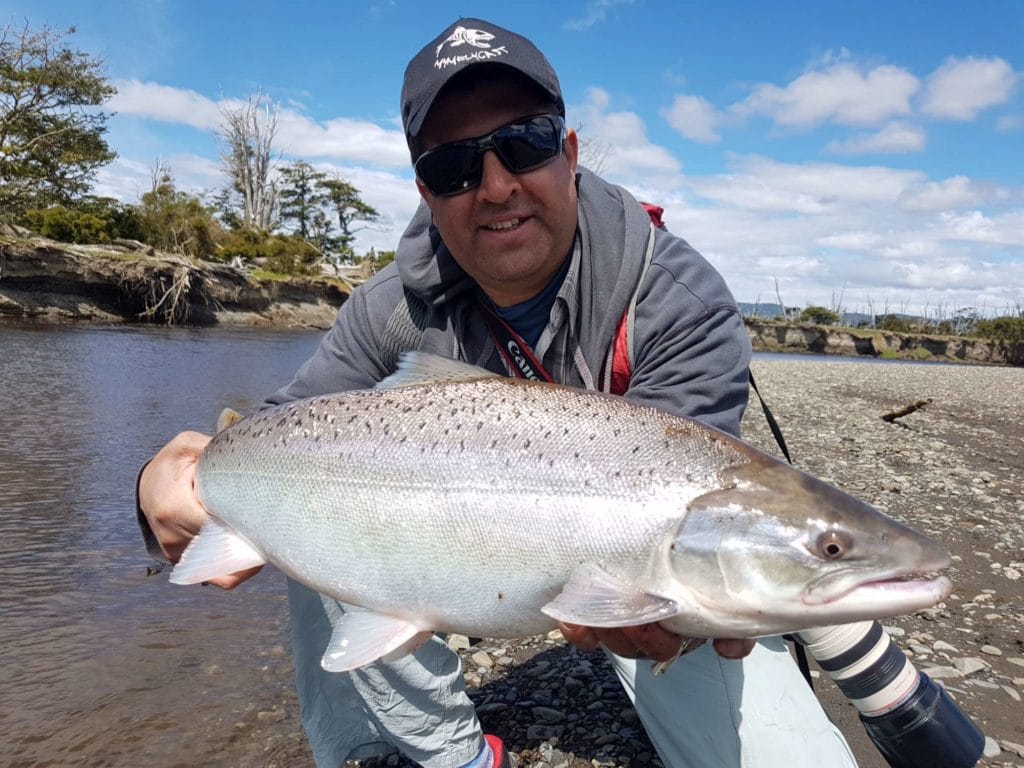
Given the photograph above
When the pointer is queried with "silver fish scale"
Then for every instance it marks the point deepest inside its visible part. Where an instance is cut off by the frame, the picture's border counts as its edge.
(465, 505)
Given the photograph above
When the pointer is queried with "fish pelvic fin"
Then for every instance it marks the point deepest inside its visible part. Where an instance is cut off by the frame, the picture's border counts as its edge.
(426, 368)
(594, 598)
(215, 551)
(227, 418)
(361, 637)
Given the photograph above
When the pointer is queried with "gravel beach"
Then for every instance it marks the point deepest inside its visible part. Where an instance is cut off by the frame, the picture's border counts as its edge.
(954, 469)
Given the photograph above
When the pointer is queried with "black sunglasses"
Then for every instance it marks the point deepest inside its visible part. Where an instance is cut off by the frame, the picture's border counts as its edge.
(521, 145)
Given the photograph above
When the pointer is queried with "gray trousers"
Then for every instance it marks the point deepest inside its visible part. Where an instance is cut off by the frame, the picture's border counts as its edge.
(704, 712)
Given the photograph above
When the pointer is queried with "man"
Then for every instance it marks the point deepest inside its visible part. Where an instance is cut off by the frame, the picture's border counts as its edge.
(514, 242)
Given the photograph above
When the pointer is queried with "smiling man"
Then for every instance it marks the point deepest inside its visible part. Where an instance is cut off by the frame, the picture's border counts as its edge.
(524, 263)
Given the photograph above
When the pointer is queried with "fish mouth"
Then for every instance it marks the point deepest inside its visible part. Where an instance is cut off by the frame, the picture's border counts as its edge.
(898, 592)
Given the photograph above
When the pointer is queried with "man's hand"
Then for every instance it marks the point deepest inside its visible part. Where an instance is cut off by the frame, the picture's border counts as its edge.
(647, 641)
(168, 500)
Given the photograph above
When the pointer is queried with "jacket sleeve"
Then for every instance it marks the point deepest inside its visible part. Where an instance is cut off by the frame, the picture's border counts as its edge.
(349, 355)
(691, 351)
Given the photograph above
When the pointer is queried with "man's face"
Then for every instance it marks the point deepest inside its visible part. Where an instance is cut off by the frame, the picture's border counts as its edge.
(511, 233)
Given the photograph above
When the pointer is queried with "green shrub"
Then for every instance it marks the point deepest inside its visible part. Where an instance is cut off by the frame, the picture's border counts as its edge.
(281, 254)
(67, 226)
(1008, 329)
(819, 316)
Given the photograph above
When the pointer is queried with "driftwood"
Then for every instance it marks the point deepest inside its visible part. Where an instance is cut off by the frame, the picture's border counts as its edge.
(891, 417)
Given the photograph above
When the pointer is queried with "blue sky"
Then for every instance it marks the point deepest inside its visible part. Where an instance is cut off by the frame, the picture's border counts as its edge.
(871, 152)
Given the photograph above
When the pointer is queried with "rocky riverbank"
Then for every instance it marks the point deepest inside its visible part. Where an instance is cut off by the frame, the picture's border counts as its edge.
(954, 469)
(127, 282)
(773, 336)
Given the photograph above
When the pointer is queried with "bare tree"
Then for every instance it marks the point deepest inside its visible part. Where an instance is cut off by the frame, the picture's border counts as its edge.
(248, 156)
(594, 153)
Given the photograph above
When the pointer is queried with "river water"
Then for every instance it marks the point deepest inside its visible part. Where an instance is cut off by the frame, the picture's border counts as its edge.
(100, 663)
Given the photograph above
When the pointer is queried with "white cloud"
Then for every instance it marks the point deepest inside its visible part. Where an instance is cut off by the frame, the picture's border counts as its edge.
(595, 12)
(165, 103)
(896, 138)
(298, 135)
(879, 236)
(694, 117)
(840, 93)
(1008, 123)
(631, 158)
(759, 183)
(961, 88)
(343, 139)
(954, 192)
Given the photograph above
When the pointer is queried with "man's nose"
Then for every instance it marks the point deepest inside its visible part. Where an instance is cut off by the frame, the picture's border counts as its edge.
(497, 183)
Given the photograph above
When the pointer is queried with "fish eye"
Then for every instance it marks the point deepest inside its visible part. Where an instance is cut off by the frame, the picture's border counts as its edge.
(833, 545)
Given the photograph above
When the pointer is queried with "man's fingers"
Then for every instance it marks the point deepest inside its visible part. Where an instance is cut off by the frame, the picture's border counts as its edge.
(582, 637)
(653, 641)
(729, 648)
(234, 579)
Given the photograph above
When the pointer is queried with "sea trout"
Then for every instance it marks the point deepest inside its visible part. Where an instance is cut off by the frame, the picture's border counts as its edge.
(450, 499)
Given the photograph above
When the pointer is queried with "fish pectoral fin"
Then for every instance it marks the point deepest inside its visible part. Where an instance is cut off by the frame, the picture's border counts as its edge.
(215, 551)
(361, 637)
(594, 598)
(426, 368)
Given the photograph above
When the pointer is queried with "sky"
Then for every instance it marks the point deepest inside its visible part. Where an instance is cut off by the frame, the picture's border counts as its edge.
(868, 155)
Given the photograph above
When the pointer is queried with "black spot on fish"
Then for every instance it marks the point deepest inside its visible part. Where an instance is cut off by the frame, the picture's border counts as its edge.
(501, 595)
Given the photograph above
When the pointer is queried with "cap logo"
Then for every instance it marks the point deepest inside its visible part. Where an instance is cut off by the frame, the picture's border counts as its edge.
(477, 38)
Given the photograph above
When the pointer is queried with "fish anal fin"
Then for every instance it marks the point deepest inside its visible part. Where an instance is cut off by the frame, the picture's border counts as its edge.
(594, 598)
(215, 551)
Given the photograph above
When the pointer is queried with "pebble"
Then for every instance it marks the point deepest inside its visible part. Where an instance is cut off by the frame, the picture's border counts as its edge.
(482, 660)
(991, 650)
(548, 715)
(942, 672)
(1012, 746)
(1012, 693)
(969, 665)
(992, 748)
(941, 645)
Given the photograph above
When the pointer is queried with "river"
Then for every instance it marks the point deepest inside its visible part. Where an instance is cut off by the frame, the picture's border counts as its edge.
(100, 663)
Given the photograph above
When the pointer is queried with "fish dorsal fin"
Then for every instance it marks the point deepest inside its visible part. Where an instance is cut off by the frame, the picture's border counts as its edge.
(426, 368)
(215, 551)
(360, 637)
(227, 418)
(594, 598)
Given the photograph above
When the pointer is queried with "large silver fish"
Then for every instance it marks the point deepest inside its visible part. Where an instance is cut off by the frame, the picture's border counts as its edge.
(450, 499)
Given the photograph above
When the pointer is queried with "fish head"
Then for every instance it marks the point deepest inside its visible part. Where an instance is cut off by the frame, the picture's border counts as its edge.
(775, 550)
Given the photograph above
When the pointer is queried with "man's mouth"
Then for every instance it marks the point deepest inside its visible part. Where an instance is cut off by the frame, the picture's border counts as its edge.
(502, 226)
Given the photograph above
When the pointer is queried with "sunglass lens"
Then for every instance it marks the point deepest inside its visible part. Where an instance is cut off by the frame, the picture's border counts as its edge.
(528, 144)
(450, 170)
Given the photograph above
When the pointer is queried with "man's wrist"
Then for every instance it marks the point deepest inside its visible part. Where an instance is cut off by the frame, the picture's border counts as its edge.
(148, 537)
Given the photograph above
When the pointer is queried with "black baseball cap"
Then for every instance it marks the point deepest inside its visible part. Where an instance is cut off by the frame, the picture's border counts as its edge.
(463, 44)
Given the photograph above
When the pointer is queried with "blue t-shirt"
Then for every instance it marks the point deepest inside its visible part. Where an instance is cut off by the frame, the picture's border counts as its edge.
(529, 318)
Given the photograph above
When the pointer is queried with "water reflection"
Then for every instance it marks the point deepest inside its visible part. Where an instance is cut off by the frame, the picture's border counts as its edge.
(100, 663)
